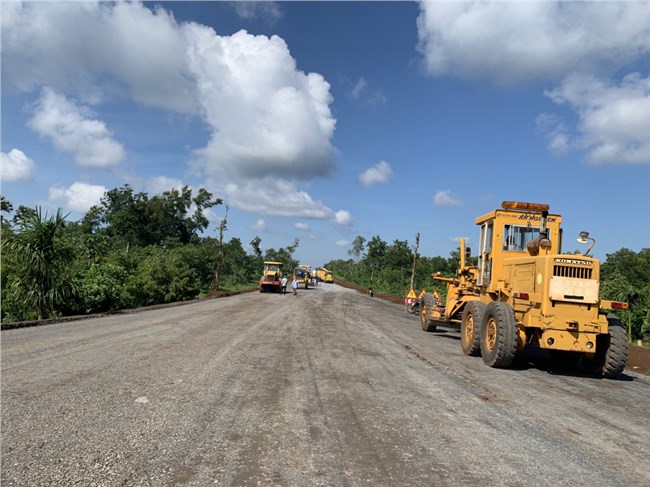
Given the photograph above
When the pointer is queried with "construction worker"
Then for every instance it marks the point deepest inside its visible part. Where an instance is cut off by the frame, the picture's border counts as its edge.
(283, 284)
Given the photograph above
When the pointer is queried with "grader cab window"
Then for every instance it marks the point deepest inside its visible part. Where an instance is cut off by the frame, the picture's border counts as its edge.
(515, 238)
(484, 253)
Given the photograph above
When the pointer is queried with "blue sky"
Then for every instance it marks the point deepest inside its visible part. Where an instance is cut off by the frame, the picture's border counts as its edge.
(327, 120)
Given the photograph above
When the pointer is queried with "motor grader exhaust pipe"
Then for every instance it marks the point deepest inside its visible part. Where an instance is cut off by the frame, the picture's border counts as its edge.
(465, 253)
(462, 253)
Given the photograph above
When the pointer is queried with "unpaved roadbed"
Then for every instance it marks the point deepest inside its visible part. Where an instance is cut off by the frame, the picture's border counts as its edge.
(327, 388)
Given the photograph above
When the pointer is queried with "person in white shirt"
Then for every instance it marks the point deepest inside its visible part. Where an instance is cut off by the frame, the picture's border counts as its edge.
(283, 283)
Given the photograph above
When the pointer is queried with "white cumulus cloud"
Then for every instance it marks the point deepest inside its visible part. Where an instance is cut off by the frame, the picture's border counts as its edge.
(260, 226)
(379, 173)
(78, 196)
(358, 88)
(509, 42)
(16, 166)
(279, 198)
(554, 129)
(445, 198)
(343, 217)
(160, 184)
(365, 95)
(71, 129)
(301, 226)
(265, 11)
(135, 51)
(342, 243)
(614, 119)
(265, 117)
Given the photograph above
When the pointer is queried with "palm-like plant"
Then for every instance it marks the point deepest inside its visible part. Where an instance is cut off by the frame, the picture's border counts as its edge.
(41, 282)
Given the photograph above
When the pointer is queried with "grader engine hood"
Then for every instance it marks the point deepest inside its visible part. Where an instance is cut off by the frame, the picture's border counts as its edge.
(574, 280)
(555, 278)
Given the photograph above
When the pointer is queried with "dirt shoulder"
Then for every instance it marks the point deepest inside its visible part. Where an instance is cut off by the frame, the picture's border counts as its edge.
(66, 319)
(638, 359)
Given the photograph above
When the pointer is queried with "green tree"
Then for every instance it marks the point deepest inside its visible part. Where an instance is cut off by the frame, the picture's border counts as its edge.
(284, 255)
(635, 267)
(161, 276)
(256, 246)
(41, 283)
(357, 247)
(624, 277)
(221, 250)
(5, 207)
(24, 214)
(399, 256)
(375, 253)
(102, 288)
(138, 220)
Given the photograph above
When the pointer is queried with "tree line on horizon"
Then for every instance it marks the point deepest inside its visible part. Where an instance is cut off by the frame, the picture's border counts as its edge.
(134, 250)
(387, 268)
(130, 250)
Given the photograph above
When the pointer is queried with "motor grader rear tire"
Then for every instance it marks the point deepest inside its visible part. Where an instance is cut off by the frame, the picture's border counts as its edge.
(498, 335)
(611, 351)
(427, 302)
(470, 328)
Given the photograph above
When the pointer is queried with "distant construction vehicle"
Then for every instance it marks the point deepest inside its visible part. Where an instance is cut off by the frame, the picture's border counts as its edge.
(271, 277)
(303, 275)
(329, 278)
(324, 275)
(525, 292)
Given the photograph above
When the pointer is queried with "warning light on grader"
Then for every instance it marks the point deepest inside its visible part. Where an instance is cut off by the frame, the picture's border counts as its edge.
(519, 205)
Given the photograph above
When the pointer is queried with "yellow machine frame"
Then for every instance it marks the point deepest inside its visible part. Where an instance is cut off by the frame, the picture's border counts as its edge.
(304, 277)
(553, 297)
(324, 275)
(271, 276)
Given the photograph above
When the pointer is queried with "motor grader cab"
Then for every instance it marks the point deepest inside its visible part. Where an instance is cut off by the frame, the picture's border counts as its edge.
(271, 277)
(303, 275)
(526, 292)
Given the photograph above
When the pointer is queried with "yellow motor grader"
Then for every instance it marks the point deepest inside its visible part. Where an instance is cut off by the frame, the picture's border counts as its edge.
(526, 292)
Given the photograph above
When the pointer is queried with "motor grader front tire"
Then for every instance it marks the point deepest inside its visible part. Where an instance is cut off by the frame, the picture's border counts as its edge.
(611, 351)
(470, 328)
(498, 335)
(427, 303)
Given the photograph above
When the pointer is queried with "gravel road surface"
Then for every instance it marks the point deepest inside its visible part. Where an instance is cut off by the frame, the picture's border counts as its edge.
(330, 387)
